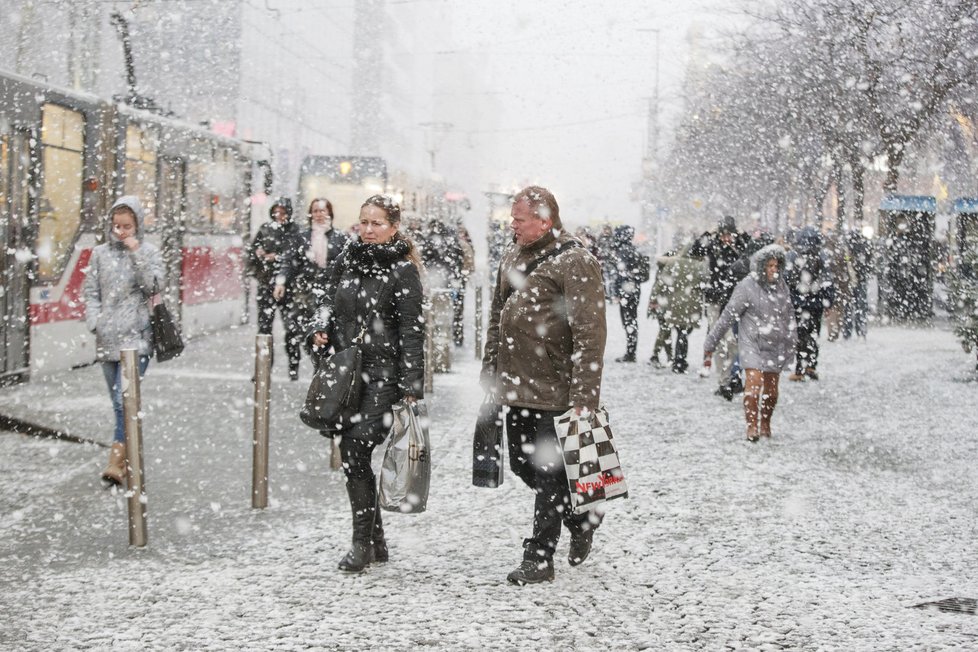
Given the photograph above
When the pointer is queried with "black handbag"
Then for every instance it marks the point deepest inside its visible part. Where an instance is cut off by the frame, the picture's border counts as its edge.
(167, 343)
(487, 446)
(333, 397)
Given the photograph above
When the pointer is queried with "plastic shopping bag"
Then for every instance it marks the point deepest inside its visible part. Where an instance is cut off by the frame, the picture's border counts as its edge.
(405, 475)
(594, 474)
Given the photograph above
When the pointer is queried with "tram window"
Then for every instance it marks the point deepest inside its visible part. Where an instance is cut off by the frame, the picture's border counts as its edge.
(199, 208)
(59, 206)
(225, 183)
(140, 168)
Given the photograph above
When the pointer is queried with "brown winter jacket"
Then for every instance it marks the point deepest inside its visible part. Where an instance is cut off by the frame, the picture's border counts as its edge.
(545, 345)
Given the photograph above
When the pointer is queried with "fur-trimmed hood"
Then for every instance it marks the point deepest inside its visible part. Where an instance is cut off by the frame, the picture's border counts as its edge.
(759, 260)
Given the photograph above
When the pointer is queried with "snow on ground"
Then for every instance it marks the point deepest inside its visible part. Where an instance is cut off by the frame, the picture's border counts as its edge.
(862, 505)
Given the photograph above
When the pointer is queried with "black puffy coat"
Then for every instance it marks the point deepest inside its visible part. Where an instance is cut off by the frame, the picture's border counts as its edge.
(722, 259)
(807, 275)
(375, 289)
(305, 276)
(274, 238)
(632, 267)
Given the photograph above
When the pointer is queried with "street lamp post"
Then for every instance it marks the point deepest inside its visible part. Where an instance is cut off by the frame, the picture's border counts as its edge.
(650, 166)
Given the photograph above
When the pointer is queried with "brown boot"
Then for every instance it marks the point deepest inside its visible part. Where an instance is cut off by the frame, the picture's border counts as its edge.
(115, 472)
(769, 399)
(752, 391)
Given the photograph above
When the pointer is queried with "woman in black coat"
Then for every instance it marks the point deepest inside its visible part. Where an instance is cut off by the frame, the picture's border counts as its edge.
(308, 264)
(375, 289)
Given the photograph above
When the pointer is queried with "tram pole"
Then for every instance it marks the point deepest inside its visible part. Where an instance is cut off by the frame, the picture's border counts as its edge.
(478, 322)
(134, 447)
(263, 379)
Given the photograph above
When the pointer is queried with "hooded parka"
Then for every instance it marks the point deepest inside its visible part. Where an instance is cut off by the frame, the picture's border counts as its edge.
(547, 331)
(678, 289)
(118, 285)
(766, 334)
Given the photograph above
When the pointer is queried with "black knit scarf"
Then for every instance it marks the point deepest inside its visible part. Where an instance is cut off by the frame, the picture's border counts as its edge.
(376, 259)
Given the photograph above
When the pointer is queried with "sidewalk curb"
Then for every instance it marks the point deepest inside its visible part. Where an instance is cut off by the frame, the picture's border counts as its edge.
(23, 427)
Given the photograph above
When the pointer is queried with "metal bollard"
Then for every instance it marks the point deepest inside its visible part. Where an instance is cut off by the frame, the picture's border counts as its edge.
(259, 440)
(429, 351)
(478, 322)
(131, 400)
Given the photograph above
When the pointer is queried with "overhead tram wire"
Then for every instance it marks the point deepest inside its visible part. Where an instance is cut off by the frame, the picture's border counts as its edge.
(607, 118)
(324, 57)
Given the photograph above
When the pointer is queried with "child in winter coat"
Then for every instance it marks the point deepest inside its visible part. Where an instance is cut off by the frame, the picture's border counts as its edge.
(122, 275)
(761, 304)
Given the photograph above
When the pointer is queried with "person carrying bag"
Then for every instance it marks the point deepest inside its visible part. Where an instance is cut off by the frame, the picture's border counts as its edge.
(374, 293)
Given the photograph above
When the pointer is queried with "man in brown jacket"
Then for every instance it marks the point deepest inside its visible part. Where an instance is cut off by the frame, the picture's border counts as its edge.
(544, 355)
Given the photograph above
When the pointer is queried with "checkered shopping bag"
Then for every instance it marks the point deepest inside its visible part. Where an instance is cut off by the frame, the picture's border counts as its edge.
(594, 473)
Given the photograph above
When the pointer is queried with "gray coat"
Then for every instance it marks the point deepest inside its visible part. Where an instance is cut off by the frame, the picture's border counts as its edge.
(118, 285)
(766, 336)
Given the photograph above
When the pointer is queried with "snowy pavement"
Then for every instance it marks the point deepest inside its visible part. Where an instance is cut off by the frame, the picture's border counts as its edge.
(862, 505)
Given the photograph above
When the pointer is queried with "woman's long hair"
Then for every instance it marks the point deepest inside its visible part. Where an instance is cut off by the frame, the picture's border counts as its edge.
(329, 209)
(393, 212)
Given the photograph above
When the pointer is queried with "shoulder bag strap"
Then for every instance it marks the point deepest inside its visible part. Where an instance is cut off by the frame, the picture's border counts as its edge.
(536, 262)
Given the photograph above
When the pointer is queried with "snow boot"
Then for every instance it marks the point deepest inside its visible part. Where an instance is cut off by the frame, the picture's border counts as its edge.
(532, 572)
(811, 373)
(628, 357)
(380, 552)
(580, 546)
(115, 472)
(363, 504)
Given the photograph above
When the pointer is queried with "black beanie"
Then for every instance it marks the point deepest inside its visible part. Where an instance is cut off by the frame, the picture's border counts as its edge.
(285, 203)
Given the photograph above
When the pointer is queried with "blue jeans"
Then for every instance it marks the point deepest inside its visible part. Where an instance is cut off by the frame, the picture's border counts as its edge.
(112, 371)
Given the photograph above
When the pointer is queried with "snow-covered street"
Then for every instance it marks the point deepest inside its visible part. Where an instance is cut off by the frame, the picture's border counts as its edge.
(862, 505)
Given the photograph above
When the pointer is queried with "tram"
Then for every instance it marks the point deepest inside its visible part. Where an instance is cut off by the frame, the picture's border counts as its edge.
(64, 158)
(345, 180)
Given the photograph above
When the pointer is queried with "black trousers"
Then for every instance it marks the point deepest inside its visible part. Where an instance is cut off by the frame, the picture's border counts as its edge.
(809, 325)
(535, 456)
(458, 315)
(679, 362)
(267, 306)
(629, 319)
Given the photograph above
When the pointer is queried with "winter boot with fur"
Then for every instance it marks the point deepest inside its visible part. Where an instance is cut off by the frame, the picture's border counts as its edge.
(115, 472)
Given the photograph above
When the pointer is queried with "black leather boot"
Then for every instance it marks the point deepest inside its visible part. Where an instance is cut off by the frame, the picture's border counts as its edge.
(381, 554)
(363, 503)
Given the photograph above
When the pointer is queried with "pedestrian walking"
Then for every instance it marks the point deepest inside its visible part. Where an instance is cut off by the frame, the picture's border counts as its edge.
(677, 299)
(270, 246)
(468, 268)
(723, 248)
(375, 287)
(306, 265)
(840, 271)
(544, 354)
(664, 334)
(631, 270)
(808, 281)
(761, 305)
(122, 275)
(857, 315)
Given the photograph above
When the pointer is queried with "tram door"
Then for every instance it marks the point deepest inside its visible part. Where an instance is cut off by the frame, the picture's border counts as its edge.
(15, 255)
(171, 212)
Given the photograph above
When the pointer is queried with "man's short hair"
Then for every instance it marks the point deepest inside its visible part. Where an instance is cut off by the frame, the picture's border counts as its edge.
(542, 202)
